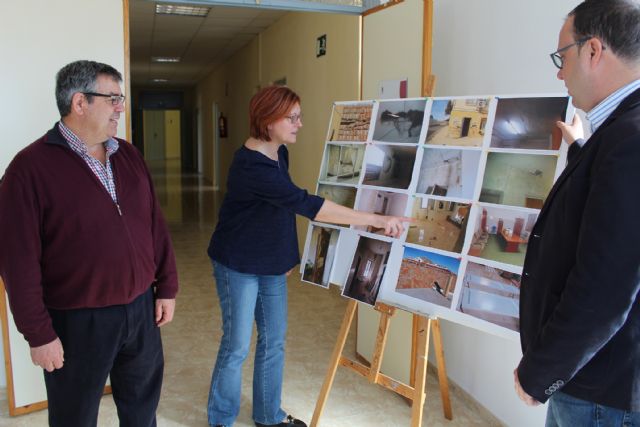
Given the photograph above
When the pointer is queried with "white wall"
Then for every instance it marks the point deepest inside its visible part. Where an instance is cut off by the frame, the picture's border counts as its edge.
(38, 38)
(488, 47)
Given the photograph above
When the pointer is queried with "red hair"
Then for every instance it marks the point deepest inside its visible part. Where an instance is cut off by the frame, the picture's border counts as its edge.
(269, 105)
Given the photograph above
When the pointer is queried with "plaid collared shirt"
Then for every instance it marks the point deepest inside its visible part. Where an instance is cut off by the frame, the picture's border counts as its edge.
(103, 172)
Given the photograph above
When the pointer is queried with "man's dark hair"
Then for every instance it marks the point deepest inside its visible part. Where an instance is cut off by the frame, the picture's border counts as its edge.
(80, 76)
(615, 22)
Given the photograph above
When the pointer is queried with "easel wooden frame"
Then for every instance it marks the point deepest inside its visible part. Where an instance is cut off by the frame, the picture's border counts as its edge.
(415, 394)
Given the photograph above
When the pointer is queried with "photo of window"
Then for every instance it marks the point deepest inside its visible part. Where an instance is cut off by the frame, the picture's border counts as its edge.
(367, 269)
(428, 276)
(458, 121)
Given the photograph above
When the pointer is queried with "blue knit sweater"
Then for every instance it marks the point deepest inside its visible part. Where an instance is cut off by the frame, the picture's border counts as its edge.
(256, 231)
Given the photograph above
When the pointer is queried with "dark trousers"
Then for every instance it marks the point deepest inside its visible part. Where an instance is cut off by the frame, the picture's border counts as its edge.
(122, 341)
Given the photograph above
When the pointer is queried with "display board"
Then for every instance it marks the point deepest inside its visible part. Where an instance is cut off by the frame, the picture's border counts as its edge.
(473, 172)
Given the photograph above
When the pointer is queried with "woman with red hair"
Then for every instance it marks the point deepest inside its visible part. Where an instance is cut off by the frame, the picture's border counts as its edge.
(253, 249)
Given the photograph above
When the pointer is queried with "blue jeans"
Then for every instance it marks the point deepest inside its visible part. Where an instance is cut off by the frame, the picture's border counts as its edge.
(244, 297)
(569, 411)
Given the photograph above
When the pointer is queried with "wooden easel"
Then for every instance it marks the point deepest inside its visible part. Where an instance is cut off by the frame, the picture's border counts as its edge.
(415, 394)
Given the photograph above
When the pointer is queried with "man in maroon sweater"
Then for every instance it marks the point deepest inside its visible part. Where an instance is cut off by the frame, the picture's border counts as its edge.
(86, 256)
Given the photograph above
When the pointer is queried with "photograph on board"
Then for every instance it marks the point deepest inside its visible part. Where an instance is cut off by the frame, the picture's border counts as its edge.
(529, 123)
(399, 121)
(428, 276)
(491, 294)
(389, 166)
(448, 172)
(350, 122)
(440, 224)
(320, 255)
(342, 163)
(367, 270)
(522, 180)
(458, 121)
(382, 203)
(502, 234)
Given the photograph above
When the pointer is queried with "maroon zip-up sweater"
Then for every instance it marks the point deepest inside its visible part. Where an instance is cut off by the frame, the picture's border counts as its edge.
(65, 244)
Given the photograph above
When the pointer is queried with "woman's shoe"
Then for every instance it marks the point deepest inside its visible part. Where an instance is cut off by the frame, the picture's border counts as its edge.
(289, 422)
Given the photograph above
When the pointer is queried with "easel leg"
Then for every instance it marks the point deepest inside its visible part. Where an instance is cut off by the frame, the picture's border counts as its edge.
(442, 370)
(335, 359)
(422, 354)
(381, 340)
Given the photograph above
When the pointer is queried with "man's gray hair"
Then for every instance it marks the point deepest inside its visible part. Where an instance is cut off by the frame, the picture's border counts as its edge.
(80, 76)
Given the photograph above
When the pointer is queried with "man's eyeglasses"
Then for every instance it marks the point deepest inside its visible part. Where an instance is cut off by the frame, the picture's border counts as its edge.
(558, 60)
(294, 118)
(114, 99)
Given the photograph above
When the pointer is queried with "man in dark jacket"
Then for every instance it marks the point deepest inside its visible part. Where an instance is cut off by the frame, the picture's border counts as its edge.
(86, 256)
(579, 304)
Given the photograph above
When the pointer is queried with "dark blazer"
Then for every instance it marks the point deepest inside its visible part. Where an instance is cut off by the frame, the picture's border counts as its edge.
(579, 303)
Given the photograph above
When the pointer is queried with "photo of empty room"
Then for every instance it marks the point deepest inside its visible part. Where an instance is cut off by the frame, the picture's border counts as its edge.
(350, 122)
(367, 270)
(529, 123)
(320, 255)
(449, 173)
(389, 165)
(439, 224)
(345, 196)
(342, 163)
(458, 121)
(382, 203)
(491, 294)
(427, 276)
(502, 234)
(518, 179)
(399, 121)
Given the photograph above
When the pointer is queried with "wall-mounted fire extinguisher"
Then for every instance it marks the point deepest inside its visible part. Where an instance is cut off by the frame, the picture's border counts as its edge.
(222, 126)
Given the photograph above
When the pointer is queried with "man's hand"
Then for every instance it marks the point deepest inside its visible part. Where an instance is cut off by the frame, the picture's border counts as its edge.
(49, 356)
(521, 393)
(573, 131)
(164, 311)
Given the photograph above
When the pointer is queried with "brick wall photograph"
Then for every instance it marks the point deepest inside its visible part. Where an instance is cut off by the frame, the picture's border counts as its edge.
(416, 274)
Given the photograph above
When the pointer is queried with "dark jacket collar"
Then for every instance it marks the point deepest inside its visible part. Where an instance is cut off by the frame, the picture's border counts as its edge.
(54, 136)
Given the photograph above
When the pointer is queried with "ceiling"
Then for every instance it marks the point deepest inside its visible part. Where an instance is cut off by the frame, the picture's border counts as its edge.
(201, 43)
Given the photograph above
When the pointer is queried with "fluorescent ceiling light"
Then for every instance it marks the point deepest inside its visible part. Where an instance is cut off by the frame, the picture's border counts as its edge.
(159, 80)
(165, 58)
(169, 9)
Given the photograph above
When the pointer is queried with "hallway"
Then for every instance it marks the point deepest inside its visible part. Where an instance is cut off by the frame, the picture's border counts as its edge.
(191, 340)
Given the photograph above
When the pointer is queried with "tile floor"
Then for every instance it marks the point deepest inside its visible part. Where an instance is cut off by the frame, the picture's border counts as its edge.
(191, 343)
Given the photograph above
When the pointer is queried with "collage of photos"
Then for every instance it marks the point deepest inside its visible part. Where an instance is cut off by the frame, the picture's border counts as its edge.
(473, 174)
